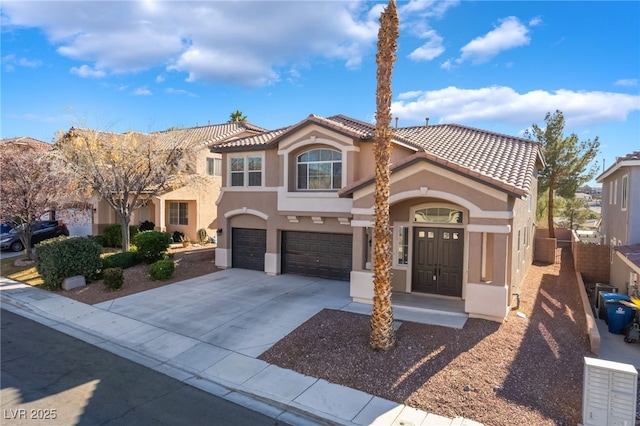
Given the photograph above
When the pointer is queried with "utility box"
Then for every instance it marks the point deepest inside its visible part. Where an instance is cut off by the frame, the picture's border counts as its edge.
(610, 393)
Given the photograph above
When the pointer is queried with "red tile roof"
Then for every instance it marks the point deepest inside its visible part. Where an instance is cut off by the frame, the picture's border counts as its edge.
(505, 162)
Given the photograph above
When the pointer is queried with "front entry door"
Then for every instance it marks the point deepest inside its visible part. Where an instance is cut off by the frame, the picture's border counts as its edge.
(437, 261)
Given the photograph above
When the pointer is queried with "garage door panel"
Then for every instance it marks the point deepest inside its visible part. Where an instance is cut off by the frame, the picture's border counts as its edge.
(248, 248)
(316, 254)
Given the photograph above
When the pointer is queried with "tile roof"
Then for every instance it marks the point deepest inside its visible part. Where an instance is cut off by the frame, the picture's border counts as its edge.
(505, 162)
(635, 155)
(629, 160)
(26, 141)
(201, 136)
(631, 252)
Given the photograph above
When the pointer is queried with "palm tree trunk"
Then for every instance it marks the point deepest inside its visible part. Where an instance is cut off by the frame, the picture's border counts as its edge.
(382, 333)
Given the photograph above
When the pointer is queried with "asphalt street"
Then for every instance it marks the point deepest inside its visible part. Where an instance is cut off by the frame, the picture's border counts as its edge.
(50, 378)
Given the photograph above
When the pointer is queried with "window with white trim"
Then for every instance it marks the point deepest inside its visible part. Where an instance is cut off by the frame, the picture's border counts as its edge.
(625, 189)
(214, 167)
(178, 213)
(402, 245)
(319, 170)
(245, 170)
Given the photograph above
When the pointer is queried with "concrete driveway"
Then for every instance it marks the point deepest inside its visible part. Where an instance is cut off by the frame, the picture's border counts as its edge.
(236, 310)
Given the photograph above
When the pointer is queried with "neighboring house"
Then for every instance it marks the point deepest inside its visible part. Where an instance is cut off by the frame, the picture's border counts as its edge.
(462, 206)
(620, 227)
(73, 212)
(188, 208)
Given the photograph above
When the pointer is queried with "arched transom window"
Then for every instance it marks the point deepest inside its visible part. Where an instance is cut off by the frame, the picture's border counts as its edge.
(320, 169)
(438, 215)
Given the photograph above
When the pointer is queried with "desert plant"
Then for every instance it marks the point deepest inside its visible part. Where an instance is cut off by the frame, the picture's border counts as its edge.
(147, 226)
(186, 242)
(113, 278)
(162, 269)
(123, 260)
(151, 245)
(203, 236)
(64, 257)
(177, 236)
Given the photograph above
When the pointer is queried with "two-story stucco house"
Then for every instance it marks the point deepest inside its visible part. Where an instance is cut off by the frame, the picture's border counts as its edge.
(187, 208)
(620, 227)
(462, 205)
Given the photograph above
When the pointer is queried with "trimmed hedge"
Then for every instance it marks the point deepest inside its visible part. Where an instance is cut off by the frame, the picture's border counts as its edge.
(113, 234)
(63, 257)
(123, 260)
(151, 245)
(162, 270)
(113, 278)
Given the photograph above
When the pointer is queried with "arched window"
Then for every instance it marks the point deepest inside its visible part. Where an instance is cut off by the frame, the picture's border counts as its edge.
(438, 215)
(319, 169)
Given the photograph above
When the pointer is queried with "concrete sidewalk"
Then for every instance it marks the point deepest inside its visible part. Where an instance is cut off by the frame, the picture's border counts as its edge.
(208, 332)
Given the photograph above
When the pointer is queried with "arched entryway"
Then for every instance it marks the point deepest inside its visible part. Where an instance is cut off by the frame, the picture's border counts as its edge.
(437, 259)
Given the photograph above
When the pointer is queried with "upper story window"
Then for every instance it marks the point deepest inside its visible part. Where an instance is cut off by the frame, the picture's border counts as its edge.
(320, 169)
(246, 170)
(438, 215)
(214, 167)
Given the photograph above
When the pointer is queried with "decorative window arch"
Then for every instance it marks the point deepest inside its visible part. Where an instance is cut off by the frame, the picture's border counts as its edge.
(319, 169)
(438, 215)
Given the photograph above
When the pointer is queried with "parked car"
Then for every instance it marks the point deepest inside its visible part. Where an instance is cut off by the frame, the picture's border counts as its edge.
(42, 230)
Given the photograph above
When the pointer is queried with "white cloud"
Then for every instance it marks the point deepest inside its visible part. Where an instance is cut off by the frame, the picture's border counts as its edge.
(511, 33)
(160, 78)
(180, 92)
(429, 50)
(505, 105)
(11, 61)
(85, 71)
(628, 82)
(245, 43)
(142, 91)
(534, 22)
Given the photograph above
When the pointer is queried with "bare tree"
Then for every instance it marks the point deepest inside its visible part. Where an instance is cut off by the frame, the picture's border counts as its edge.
(382, 333)
(128, 169)
(31, 187)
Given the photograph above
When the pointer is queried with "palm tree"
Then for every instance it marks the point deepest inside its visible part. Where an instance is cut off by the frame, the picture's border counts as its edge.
(237, 116)
(382, 333)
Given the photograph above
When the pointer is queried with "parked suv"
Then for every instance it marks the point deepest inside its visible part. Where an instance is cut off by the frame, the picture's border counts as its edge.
(42, 230)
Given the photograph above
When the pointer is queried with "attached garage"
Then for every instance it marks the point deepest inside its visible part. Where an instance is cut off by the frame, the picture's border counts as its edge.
(317, 254)
(248, 249)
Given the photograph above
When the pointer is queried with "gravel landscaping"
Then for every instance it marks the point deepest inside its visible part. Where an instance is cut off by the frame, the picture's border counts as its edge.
(526, 371)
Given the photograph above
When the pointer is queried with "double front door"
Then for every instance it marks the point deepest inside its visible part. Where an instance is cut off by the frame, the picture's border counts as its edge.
(437, 261)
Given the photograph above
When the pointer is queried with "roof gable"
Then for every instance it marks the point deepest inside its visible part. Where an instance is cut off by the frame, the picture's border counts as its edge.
(502, 161)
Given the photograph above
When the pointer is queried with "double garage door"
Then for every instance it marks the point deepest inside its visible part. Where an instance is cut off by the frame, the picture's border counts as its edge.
(303, 253)
(317, 255)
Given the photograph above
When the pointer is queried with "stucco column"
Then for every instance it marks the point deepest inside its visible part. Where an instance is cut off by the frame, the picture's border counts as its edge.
(159, 208)
(500, 258)
(475, 260)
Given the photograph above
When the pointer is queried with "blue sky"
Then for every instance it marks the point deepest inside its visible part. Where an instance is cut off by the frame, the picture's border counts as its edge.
(150, 65)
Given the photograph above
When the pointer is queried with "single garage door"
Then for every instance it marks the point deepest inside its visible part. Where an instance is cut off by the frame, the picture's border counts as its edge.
(317, 255)
(248, 248)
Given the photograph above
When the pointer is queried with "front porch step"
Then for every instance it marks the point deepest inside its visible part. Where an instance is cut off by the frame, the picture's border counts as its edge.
(416, 314)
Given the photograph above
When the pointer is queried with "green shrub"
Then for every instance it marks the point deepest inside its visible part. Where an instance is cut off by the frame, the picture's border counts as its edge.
(146, 226)
(99, 239)
(113, 234)
(122, 260)
(63, 257)
(113, 278)
(162, 269)
(151, 245)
